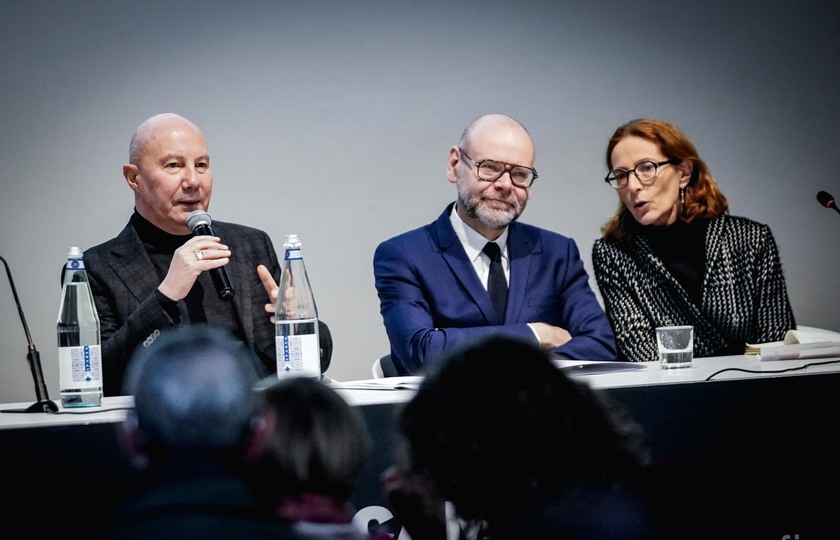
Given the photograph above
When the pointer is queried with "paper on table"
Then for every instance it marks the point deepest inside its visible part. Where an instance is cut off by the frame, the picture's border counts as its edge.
(808, 334)
(593, 367)
(805, 342)
(823, 349)
(571, 367)
(386, 383)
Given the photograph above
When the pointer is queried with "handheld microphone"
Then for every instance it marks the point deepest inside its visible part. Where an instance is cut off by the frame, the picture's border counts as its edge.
(44, 404)
(827, 200)
(199, 223)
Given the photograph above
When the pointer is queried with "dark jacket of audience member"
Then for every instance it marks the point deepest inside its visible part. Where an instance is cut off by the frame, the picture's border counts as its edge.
(195, 417)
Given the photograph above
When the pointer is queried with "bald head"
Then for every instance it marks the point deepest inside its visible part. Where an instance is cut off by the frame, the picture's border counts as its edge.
(169, 171)
(149, 127)
(492, 124)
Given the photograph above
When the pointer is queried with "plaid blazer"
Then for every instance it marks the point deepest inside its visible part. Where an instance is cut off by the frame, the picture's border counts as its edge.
(123, 282)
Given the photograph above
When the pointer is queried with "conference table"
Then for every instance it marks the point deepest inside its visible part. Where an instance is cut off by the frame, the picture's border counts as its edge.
(759, 438)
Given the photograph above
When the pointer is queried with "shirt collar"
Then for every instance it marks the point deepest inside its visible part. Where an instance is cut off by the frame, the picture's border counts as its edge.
(472, 241)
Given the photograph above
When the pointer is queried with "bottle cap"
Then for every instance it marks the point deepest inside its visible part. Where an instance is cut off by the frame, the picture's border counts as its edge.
(292, 240)
(74, 253)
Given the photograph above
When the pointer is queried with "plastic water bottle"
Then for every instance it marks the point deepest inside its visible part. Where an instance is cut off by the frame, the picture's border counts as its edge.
(296, 328)
(79, 354)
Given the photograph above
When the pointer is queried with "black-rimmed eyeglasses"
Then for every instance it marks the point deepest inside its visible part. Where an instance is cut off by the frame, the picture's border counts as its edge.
(491, 170)
(644, 170)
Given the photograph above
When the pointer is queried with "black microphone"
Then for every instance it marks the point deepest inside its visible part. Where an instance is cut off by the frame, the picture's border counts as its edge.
(827, 200)
(199, 223)
(44, 404)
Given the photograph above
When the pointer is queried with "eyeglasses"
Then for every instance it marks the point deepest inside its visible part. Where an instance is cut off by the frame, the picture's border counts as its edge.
(645, 171)
(491, 170)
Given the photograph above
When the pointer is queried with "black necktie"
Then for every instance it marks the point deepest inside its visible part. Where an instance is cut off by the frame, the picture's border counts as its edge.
(496, 282)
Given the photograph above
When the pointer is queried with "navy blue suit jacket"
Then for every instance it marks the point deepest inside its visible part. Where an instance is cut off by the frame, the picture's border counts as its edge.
(431, 298)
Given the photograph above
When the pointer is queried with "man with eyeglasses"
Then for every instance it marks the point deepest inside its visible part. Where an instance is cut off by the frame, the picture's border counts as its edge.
(442, 284)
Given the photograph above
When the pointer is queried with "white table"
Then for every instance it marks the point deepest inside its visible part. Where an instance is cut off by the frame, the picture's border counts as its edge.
(601, 375)
(765, 440)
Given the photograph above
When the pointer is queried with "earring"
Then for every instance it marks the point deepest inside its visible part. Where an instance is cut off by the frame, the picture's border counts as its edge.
(682, 195)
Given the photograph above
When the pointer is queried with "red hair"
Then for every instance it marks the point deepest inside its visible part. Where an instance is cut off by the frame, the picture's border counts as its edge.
(703, 198)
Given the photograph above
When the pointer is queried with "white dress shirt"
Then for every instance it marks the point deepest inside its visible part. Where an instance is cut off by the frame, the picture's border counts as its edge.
(474, 244)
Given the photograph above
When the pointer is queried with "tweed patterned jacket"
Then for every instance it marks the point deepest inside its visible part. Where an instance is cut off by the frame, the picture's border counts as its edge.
(744, 298)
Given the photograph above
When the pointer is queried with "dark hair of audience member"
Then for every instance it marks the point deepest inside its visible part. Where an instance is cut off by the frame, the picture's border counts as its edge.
(194, 397)
(502, 432)
(317, 444)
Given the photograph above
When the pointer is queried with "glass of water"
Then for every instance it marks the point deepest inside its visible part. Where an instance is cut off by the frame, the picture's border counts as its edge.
(676, 346)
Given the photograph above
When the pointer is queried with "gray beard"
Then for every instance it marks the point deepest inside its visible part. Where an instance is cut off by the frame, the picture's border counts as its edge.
(476, 209)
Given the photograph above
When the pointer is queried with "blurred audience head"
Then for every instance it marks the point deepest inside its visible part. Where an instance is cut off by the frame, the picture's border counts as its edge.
(316, 446)
(194, 396)
(498, 430)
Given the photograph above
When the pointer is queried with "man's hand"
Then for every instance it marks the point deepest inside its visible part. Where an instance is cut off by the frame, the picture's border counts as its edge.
(551, 336)
(197, 255)
(271, 289)
(290, 300)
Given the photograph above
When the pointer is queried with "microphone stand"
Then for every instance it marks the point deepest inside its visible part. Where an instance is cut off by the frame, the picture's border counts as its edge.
(44, 404)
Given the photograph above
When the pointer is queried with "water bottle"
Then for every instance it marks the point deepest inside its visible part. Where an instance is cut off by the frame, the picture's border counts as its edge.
(79, 354)
(296, 328)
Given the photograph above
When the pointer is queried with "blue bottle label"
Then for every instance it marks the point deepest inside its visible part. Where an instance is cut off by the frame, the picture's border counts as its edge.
(80, 367)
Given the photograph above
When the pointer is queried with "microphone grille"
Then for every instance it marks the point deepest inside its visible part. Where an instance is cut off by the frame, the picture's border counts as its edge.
(825, 199)
(197, 218)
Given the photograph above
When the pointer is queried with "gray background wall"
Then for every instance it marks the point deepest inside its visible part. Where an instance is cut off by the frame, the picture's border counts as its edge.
(332, 120)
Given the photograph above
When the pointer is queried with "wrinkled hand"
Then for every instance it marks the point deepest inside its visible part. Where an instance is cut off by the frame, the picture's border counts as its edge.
(186, 266)
(551, 336)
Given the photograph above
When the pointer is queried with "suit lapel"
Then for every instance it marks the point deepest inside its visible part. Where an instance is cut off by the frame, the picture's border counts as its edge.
(237, 273)
(716, 261)
(456, 258)
(132, 265)
(522, 250)
(666, 281)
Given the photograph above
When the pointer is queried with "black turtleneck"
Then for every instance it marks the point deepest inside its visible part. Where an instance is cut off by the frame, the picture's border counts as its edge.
(159, 244)
(682, 249)
(202, 304)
